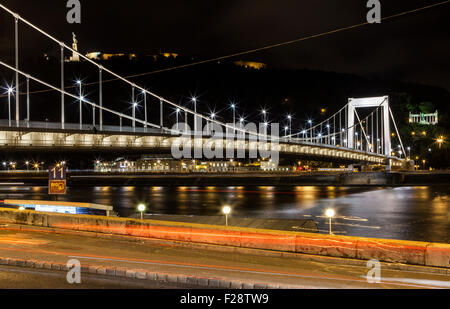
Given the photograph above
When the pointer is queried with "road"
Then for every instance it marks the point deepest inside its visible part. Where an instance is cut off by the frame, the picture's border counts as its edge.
(159, 256)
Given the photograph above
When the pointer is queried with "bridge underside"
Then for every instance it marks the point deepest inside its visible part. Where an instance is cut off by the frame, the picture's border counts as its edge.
(128, 143)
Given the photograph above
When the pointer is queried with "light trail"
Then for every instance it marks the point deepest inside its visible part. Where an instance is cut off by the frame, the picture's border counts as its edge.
(211, 267)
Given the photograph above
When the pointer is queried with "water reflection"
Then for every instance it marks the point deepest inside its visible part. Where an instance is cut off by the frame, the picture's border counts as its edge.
(412, 213)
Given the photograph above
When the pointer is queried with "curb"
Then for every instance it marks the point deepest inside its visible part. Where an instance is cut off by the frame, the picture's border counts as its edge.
(240, 250)
(141, 274)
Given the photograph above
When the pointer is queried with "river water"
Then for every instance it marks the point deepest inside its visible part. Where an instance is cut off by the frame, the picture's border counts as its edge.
(408, 213)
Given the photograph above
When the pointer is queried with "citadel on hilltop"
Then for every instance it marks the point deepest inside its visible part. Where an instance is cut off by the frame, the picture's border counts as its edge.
(102, 56)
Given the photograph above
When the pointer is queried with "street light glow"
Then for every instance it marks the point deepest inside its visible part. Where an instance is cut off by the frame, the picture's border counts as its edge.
(330, 213)
(226, 210)
(141, 207)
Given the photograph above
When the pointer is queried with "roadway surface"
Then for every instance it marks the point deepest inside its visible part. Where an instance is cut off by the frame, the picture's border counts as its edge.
(169, 258)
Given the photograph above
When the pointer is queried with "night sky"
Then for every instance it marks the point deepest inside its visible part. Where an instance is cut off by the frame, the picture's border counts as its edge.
(412, 48)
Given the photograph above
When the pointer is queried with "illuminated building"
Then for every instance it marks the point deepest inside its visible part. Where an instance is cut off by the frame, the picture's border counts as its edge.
(251, 65)
(425, 119)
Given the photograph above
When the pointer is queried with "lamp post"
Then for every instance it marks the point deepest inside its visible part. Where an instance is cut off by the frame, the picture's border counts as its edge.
(264, 114)
(10, 91)
(266, 125)
(233, 107)
(440, 141)
(310, 127)
(134, 114)
(328, 138)
(178, 113)
(226, 211)
(195, 111)
(81, 103)
(330, 213)
(145, 108)
(210, 125)
(141, 208)
(289, 117)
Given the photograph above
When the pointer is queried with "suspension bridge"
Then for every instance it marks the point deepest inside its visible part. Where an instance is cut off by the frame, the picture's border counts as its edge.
(344, 136)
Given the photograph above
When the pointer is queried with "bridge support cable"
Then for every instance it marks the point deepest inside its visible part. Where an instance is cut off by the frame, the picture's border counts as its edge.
(100, 99)
(161, 124)
(321, 139)
(371, 133)
(362, 128)
(117, 76)
(134, 104)
(63, 93)
(398, 133)
(145, 110)
(28, 101)
(378, 133)
(81, 111)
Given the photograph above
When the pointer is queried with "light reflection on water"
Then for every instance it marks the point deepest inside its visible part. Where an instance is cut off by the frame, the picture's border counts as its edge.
(410, 213)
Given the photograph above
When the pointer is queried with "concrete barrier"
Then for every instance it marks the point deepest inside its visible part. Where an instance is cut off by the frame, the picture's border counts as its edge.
(438, 255)
(396, 251)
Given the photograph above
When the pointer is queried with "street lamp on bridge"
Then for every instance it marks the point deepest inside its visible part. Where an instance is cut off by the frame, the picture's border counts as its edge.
(177, 111)
(264, 115)
(78, 83)
(289, 117)
(10, 91)
(233, 107)
(194, 100)
(310, 127)
(134, 114)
